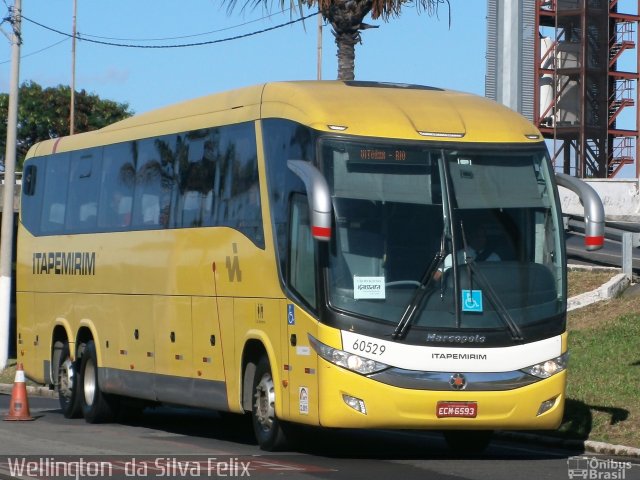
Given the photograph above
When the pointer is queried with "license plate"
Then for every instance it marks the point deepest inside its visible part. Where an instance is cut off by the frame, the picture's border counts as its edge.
(457, 409)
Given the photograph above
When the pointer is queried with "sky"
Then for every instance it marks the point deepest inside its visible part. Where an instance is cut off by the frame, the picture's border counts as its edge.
(414, 48)
(445, 50)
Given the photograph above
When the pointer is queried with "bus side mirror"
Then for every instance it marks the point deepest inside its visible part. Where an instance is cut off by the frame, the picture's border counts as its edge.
(593, 210)
(318, 196)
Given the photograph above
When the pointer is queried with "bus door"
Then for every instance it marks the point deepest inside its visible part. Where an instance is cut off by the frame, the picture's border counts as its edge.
(303, 364)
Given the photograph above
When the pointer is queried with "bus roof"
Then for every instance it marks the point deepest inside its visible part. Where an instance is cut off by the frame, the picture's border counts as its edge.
(368, 109)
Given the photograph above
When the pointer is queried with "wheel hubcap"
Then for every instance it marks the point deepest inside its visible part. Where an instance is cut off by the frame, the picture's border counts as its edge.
(89, 382)
(65, 379)
(265, 398)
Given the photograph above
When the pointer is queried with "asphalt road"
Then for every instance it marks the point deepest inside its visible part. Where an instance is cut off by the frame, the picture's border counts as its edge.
(181, 443)
(609, 255)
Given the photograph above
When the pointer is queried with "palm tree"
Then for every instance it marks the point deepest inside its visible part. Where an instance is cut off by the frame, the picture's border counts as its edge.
(346, 17)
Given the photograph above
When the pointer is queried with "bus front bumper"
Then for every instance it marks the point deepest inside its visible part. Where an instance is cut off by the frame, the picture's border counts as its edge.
(354, 401)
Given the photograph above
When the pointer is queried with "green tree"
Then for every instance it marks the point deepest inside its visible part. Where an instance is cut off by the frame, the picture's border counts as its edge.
(43, 113)
(346, 18)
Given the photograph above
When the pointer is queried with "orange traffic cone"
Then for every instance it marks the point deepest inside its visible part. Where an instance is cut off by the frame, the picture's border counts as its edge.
(19, 405)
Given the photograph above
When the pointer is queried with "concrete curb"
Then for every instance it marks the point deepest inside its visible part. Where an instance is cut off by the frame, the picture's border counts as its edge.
(609, 290)
(36, 391)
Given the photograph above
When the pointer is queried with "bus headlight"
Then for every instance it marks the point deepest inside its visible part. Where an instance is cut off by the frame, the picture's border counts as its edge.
(548, 368)
(347, 360)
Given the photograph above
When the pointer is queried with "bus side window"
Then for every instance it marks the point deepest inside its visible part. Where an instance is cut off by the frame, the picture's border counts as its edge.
(195, 173)
(235, 198)
(56, 215)
(87, 213)
(29, 180)
(150, 209)
(118, 180)
(55, 194)
(301, 270)
(155, 182)
(119, 211)
(84, 187)
(284, 140)
(191, 212)
(31, 201)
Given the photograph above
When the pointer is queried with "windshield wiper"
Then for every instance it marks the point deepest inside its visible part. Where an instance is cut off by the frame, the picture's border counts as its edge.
(494, 299)
(407, 317)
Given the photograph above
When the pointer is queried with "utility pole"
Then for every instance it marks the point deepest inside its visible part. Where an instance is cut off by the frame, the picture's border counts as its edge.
(72, 114)
(6, 236)
(319, 43)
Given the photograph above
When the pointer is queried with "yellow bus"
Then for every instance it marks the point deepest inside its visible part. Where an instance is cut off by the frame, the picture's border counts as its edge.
(287, 250)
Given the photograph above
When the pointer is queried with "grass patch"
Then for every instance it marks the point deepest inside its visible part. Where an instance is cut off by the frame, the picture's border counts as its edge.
(599, 314)
(8, 375)
(582, 281)
(603, 401)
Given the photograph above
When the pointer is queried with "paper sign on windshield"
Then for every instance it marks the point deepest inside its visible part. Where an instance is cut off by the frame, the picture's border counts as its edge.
(369, 288)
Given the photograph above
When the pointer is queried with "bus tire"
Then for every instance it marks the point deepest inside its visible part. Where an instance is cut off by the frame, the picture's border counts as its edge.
(97, 407)
(266, 426)
(468, 441)
(68, 382)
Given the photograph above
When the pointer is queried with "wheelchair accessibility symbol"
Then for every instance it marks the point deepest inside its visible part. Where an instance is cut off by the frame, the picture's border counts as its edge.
(472, 301)
(291, 316)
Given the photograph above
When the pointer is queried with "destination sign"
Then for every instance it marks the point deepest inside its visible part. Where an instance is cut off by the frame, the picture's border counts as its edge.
(378, 154)
(368, 154)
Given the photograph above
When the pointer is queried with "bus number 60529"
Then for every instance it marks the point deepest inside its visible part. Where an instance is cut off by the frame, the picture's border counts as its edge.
(369, 347)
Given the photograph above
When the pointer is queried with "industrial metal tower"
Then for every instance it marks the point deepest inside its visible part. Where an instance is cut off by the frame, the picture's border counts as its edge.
(575, 63)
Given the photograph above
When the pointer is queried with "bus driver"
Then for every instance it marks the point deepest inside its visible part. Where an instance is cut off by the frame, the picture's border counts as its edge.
(477, 248)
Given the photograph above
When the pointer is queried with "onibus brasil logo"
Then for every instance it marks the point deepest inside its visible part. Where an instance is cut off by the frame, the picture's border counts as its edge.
(596, 468)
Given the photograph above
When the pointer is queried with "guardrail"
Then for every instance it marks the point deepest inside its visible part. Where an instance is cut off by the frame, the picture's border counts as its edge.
(627, 234)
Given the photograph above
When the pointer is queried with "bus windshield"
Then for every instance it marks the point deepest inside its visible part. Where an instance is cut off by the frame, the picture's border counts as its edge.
(402, 210)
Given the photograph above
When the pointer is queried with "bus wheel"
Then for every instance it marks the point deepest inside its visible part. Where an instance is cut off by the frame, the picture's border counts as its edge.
(267, 427)
(468, 441)
(97, 407)
(68, 381)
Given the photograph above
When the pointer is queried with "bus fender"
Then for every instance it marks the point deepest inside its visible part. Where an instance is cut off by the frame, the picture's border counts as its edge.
(260, 336)
(51, 364)
(87, 324)
(68, 331)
